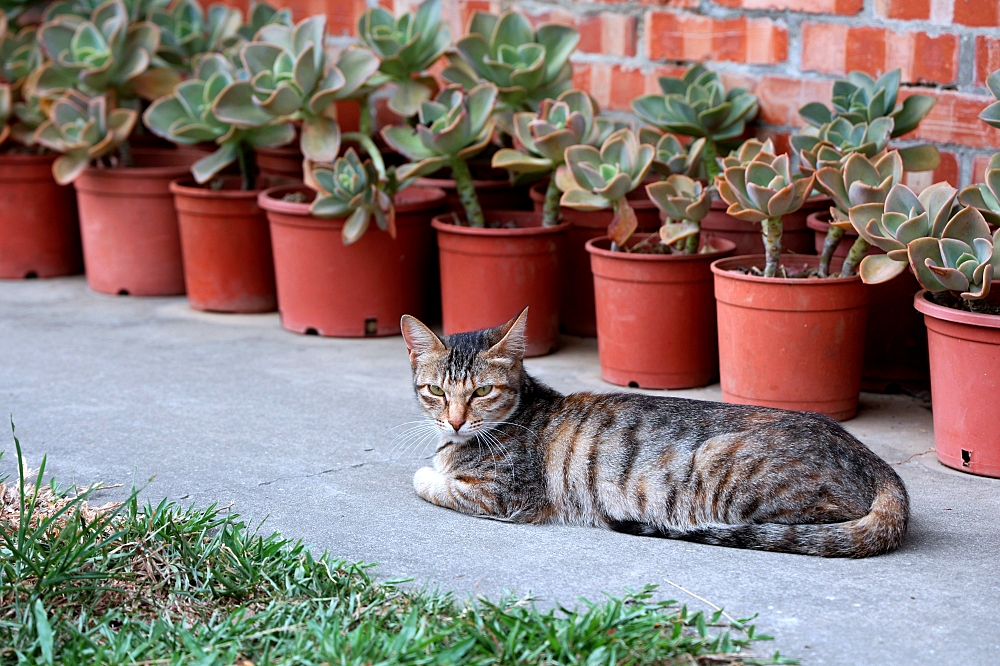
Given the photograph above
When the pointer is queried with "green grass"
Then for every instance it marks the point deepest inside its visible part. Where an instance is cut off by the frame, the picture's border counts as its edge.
(160, 584)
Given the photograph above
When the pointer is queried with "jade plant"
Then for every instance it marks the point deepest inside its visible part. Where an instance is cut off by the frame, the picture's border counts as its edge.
(83, 129)
(543, 137)
(684, 204)
(855, 181)
(673, 157)
(595, 179)
(407, 46)
(289, 77)
(698, 105)
(527, 65)
(763, 190)
(188, 117)
(451, 129)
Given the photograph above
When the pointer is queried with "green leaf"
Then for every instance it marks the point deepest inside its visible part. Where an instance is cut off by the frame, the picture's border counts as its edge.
(44, 631)
(920, 158)
(408, 96)
(914, 109)
(816, 114)
(584, 200)
(878, 268)
(207, 167)
(320, 140)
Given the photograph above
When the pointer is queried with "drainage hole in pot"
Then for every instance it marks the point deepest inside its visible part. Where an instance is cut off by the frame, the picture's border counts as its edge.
(633, 384)
(312, 331)
(123, 292)
(966, 458)
(371, 326)
(30, 275)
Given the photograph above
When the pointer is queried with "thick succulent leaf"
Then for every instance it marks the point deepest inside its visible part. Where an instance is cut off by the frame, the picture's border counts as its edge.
(616, 188)
(329, 206)
(480, 102)
(559, 41)
(623, 224)
(236, 105)
(207, 167)
(816, 114)
(671, 233)
(356, 225)
(878, 268)
(404, 140)
(271, 136)
(518, 162)
(283, 101)
(913, 110)
(919, 252)
(579, 199)
(991, 115)
(408, 96)
(920, 158)
(966, 225)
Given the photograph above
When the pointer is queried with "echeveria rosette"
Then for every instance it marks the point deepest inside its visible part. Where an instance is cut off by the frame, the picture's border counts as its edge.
(841, 137)
(595, 179)
(20, 59)
(137, 10)
(262, 14)
(698, 105)
(187, 117)
(290, 79)
(14, 8)
(103, 54)
(684, 204)
(991, 114)
(82, 129)
(569, 120)
(407, 46)
(185, 32)
(985, 197)
(763, 191)
(747, 153)
(672, 157)
(451, 129)
(353, 189)
(526, 65)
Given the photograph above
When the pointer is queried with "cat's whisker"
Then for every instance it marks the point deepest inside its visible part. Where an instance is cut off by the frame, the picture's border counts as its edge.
(415, 444)
(403, 441)
(516, 425)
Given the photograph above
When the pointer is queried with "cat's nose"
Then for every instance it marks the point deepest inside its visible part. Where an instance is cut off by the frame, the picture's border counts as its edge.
(456, 424)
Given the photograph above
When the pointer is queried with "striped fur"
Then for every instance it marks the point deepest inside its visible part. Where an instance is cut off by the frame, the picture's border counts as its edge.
(730, 475)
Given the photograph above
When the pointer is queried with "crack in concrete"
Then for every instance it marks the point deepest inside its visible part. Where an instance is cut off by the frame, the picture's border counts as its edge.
(307, 476)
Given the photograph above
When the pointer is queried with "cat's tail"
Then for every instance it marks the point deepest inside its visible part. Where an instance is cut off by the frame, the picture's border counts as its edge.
(879, 531)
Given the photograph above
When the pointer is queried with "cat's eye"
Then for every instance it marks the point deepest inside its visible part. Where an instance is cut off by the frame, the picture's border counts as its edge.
(483, 390)
(435, 390)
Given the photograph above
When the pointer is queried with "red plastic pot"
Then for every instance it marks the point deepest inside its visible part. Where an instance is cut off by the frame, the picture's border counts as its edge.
(965, 386)
(895, 338)
(280, 166)
(576, 302)
(790, 343)
(131, 244)
(796, 237)
(490, 275)
(39, 234)
(363, 289)
(493, 194)
(656, 315)
(227, 247)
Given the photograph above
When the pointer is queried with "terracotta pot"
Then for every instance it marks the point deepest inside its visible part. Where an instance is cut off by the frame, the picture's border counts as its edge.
(965, 386)
(363, 289)
(796, 237)
(493, 194)
(280, 166)
(131, 244)
(895, 339)
(576, 302)
(39, 234)
(490, 275)
(656, 315)
(790, 343)
(227, 247)
(348, 115)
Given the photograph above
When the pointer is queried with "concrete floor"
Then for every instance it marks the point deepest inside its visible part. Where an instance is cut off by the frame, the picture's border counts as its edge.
(298, 430)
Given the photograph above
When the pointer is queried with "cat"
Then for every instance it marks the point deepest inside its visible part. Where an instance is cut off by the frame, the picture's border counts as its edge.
(513, 449)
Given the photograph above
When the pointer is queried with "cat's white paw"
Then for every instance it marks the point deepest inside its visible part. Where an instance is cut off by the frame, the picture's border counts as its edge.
(425, 481)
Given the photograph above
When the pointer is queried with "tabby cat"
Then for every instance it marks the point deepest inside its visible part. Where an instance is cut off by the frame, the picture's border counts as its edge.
(747, 477)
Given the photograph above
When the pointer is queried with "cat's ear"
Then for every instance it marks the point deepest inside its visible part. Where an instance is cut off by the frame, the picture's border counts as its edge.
(419, 339)
(514, 337)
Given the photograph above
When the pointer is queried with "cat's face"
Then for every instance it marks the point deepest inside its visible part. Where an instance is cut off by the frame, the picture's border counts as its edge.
(468, 382)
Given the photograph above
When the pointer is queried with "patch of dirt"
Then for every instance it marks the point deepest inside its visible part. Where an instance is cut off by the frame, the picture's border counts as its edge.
(947, 299)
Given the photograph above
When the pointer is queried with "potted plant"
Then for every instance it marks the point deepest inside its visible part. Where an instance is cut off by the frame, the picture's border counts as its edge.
(334, 276)
(654, 294)
(39, 234)
(493, 263)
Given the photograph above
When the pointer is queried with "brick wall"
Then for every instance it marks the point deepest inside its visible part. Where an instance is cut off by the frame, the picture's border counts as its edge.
(788, 52)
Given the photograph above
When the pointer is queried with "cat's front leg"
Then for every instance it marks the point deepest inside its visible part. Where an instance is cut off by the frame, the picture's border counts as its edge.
(451, 493)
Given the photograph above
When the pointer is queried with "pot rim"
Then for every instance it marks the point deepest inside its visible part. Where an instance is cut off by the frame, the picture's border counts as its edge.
(926, 307)
(269, 200)
(439, 222)
(449, 183)
(174, 172)
(718, 253)
(28, 157)
(721, 267)
(188, 187)
(642, 202)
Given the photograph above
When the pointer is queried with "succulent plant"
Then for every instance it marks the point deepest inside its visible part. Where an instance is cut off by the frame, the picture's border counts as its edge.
(289, 77)
(526, 65)
(684, 204)
(262, 14)
(673, 157)
(353, 189)
(137, 10)
(948, 247)
(187, 117)
(185, 32)
(6, 111)
(452, 128)
(991, 114)
(746, 153)
(82, 129)
(763, 190)
(407, 46)
(985, 197)
(869, 139)
(14, 8)
(569, 120)
(698, 105)
(597, 179)
(20, 58)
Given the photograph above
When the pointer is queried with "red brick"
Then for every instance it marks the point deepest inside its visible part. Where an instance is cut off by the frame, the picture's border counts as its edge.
(865, 49)
(671, 36)
(607, 32)
(987, 58)
(979, 164)
(935, 59)
(979, 13)
(954, 119)
(824, 47)
(612, 86)
(843, 7)
(947, 172)
(782, 97)
(906, 10)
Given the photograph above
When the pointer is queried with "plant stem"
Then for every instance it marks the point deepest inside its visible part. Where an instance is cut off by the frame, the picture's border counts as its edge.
(854, 257)
(248, 166)
(365, 117)
(709, 154)
(691, 243)
(772, 245)
(467, 193)
(833, 236)
(550, 211)
(125, 154)
(369, 147)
